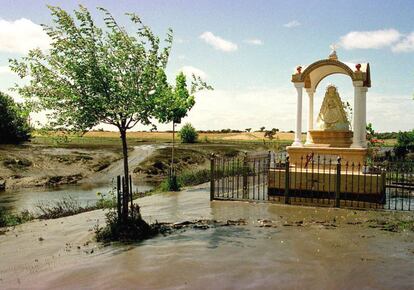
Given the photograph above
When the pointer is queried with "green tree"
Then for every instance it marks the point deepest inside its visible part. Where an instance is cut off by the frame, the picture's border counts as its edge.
(94, 75)
(370, 131)
(405, 143)
(262, 128)
(14, 125)
(271, 133)
(175, 104)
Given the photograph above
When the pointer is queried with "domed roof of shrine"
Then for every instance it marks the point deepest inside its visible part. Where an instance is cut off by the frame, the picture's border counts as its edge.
(314, 73)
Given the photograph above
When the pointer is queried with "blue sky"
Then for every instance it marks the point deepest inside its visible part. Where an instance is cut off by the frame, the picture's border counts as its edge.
(247, 50)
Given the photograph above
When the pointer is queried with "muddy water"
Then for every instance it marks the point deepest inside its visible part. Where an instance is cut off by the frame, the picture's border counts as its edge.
(314, 255)
(85, 192)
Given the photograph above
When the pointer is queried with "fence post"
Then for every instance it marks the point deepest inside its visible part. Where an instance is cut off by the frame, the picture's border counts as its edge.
(287, 180)
(131, 196)
(269, 160)
(212, 175)
(118, 195)
(338, 183)
(245, 176)
(123, 210)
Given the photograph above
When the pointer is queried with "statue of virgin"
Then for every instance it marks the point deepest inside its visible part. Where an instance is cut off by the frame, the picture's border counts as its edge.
(332, 115)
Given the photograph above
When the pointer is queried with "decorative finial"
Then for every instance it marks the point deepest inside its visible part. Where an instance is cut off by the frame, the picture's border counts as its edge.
(358, 67)
(333, 54)
(299, 69)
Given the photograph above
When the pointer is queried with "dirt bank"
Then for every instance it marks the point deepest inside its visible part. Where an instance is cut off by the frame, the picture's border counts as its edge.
(279, 247)
(187, 157)
(33, 165)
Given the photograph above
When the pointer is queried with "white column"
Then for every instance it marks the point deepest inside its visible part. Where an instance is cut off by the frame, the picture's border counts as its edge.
(364, 117)
(298, 132)
(359, 124)
(310, 93)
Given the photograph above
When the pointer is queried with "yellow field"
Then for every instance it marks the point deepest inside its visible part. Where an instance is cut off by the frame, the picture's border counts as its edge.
(245, 136)
(112, 137)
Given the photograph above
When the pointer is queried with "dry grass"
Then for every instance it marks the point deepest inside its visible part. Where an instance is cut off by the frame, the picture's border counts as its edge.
(244, 136)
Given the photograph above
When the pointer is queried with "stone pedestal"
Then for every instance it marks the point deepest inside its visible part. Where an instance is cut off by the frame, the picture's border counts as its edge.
(342, 139)
(350, 155)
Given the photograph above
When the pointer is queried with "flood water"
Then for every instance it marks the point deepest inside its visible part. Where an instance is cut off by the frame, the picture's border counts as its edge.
(350, 255)
(84, 194)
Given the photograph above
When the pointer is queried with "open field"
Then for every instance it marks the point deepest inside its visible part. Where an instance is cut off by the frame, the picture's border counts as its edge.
(109, 138)
(244, 136)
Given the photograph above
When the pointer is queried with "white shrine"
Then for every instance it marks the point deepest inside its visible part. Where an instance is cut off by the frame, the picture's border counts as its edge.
(332, 135)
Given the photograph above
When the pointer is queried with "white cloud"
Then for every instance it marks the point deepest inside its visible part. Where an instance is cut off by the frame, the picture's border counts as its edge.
(390, 112)
(5, 70)
(276, 108)
(19, 36)
(370, 39)
(180, 40)
(405, 45)
(182, 57)
(218, 42)
(190, 70)
(254, 41)
(292, 24)
(244, 108)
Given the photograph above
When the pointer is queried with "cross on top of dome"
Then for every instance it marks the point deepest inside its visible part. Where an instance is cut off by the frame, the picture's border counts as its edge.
(333, 54)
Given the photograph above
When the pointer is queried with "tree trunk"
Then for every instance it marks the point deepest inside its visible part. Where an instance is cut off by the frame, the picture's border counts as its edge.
(125, 194)
(172, 152)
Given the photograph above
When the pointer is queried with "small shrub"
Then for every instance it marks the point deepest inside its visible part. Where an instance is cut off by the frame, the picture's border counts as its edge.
(106, 201)
(194, 177)
(12, 219)
(188, 134)
(170, 184)
(186, 178)
(132, 230)
(65, 207)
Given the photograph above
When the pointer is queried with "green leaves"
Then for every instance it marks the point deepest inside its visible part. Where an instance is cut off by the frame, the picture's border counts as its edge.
(95, 75)
(14, 126)
(175, 102)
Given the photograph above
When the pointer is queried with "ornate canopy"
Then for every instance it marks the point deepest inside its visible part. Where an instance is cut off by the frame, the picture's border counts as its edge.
(309, 78)
(312, 75)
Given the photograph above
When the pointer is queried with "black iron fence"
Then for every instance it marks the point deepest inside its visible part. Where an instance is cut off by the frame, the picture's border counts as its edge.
(320, 180)
(399, 184)
(240, 178)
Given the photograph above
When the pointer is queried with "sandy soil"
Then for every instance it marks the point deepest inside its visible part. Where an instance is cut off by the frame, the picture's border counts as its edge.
(280, 247)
